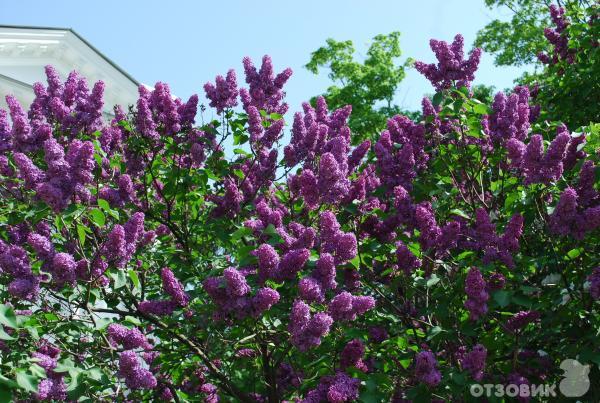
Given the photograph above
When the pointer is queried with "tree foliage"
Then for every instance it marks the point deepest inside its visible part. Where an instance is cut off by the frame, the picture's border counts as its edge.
(369, 85)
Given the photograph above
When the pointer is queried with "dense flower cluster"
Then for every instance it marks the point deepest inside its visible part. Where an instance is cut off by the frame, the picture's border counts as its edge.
(558, 38)
(15, 262)
(400, 152)
(477, 295)
(352, 355)
(594, 280)
(495, 247)
(335, 389)
(347, 307)
(223, 94)
(307, 330)
(474, 362)
(426, 369)
(535, 165)
(578, 209)
(452, 68)
(53, 387)
(230, 294)
(134, 373)
(520, 320)
(511, 116)
(129, 338)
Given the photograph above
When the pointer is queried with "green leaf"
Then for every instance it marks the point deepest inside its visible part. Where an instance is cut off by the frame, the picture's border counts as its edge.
(27, 382)
(459, 213)
(433, 280)
(502, 297)
(8, 317)
(120, 279)
(7, 382)
(241, 232)
(573, 253)
(437, 98)
(132, 319)
(481, 109)
(434, 331)
(81, 234)
(103, 204)
(5, 336)
(6, 395)
(134, 278)
(97, 217)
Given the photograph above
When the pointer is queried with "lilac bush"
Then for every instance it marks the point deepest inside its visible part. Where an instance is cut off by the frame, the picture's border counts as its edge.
(140, 259)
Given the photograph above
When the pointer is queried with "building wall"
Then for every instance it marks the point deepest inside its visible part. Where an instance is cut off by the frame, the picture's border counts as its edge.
(24, 51)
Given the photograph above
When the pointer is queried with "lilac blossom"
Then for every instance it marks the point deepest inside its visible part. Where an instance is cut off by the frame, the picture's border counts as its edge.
(426, 369)
(452, 68)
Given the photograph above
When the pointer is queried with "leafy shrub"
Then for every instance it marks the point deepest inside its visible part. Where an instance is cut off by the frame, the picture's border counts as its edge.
(141, 261)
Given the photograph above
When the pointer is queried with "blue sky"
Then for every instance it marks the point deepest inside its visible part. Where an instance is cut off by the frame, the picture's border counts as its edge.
(186, 43)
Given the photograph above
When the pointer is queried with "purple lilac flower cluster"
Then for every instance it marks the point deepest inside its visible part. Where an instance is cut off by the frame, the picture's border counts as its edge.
(477, 295)
(474, 362)
(312, 288)
(288, 377)
(270, 266)
(400, 152)
(452, 68)
(520, 320)
(594, 280)
(174, 289)
(321, 142)
(511, 116)
(347, 307)
(135, 374)
(334, 389)
(265, 94)
(66, 175)
(223, 94)
(342, 245)
(125, 192)
(70, 106)
(434, 124)
(426, 369)
(535, 165)
(578, 209)
(120, 245)
(314, 129)
(160, 113)
(230, 293)
(306, 329)
(432, 236)
(482, 236)
(15, 262)
(352, 356)
(129, 338)
(53, 388)
(265, 90)
(406, 260)
(558, 38)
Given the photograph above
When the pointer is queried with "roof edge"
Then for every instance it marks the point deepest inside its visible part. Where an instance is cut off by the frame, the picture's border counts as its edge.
(82, 39)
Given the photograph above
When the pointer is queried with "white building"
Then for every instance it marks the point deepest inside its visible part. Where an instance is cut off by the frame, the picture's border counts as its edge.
(24, 51)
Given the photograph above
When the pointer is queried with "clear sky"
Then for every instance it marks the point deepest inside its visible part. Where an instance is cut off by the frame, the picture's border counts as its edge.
(186, 43)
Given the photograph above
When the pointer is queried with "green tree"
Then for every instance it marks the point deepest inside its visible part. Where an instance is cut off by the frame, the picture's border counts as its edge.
(569, 88)
(515, 42)
(369, 86)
